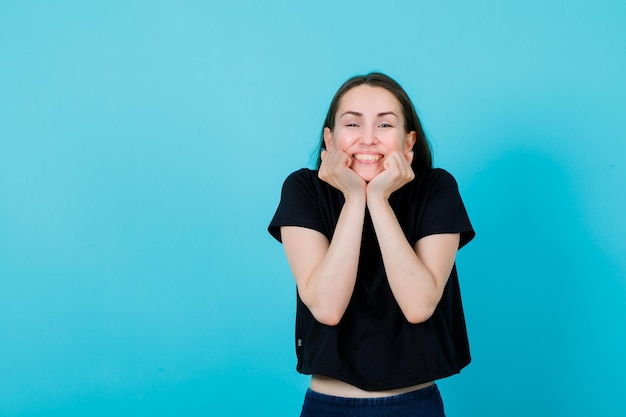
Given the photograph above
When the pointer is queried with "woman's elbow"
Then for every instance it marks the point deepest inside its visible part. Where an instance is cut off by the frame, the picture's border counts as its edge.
(418, 315)
(328, 312)
(327, 317)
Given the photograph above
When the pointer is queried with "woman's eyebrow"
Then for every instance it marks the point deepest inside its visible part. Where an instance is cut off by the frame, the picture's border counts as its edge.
(353, 113)
(356, 113)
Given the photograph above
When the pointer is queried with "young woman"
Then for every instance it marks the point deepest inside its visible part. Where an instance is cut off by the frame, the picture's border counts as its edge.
(371, 237)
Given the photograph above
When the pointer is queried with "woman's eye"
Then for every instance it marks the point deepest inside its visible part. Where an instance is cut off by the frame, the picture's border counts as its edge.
(352, 125)
(385, 125)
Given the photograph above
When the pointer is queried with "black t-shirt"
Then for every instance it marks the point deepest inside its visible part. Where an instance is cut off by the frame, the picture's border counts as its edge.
(374, 347)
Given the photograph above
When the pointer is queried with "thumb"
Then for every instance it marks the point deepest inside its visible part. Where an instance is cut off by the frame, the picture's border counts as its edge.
(409, 156)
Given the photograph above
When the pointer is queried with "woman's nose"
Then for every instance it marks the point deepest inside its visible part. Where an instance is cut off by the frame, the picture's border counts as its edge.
(369, 137)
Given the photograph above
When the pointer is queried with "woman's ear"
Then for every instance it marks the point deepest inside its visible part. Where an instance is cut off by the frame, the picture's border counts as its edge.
(328, 139)
(409, 141)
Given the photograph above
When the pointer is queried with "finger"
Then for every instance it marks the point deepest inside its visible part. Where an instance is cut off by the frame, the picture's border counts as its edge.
(394, 158)
(402, 164)
(346, 159)
(391, 161)
(323, 154)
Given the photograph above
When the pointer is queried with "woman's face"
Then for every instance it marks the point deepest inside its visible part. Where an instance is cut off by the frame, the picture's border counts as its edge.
(369, 124)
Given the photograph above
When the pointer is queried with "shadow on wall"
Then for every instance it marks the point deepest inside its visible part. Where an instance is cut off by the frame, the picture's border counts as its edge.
(545, 306)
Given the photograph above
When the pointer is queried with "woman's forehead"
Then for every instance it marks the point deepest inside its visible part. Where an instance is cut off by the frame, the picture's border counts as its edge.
(366, 97)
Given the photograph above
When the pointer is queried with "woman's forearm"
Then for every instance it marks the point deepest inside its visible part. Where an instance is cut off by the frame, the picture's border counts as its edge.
(417, 284)
(326, 273)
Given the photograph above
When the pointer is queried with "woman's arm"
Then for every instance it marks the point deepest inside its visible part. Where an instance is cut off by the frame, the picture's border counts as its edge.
(325, 272)
(417, 275)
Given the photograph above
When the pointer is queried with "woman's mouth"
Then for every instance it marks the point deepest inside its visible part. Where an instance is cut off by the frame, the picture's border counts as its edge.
(366, 157)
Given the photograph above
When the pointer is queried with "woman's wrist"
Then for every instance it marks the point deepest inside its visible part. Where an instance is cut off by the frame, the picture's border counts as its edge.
(357, 198)
(375, 196)
(376, 201)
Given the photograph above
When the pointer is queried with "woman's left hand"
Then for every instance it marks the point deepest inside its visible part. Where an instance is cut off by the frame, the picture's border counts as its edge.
(397, 172)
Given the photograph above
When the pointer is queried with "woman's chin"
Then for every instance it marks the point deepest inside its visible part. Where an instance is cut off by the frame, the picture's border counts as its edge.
(367, 175)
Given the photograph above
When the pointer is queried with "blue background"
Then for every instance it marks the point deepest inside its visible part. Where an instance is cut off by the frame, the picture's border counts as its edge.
(142, 149)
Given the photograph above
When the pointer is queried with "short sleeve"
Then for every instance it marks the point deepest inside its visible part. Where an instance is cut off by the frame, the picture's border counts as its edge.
(299, 204)
(444, 211)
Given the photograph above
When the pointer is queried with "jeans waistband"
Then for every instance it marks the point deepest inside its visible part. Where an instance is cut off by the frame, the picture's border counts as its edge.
(394, 399)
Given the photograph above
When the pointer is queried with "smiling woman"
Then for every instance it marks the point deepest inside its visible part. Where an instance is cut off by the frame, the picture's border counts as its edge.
(371, 237)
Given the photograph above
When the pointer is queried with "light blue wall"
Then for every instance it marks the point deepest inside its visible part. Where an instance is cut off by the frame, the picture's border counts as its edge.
(142, 149)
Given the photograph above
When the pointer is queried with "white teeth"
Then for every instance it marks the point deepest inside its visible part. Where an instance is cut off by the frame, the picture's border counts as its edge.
(367, 157)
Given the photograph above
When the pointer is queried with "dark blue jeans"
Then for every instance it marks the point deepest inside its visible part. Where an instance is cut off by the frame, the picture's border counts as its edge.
(425, 402)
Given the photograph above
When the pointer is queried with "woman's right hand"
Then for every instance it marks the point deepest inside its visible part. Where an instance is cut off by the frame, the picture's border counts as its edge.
(335, 170)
